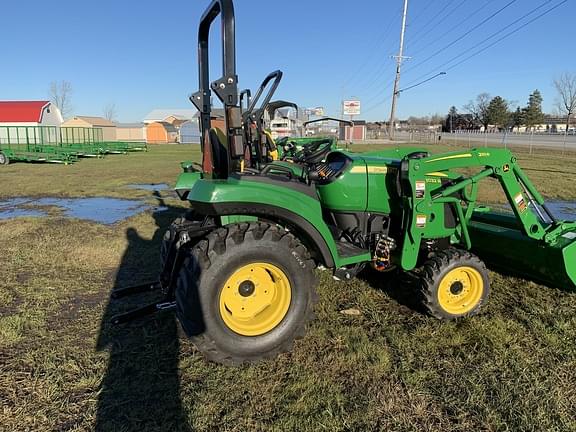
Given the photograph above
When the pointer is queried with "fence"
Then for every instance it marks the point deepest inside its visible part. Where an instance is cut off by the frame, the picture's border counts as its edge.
(49, 135)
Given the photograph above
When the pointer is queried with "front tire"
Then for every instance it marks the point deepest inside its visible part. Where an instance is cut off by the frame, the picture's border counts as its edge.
(454, 284)
(4, 159)
(246, 292)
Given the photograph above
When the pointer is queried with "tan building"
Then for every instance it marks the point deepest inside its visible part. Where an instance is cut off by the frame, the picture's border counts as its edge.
(108, 127)
(551, 125)
(130, 132)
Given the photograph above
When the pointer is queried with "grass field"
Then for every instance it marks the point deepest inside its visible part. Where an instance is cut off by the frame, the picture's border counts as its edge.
(64, 368)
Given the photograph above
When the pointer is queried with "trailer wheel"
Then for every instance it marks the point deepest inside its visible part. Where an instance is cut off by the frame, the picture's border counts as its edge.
(455, 284)
(246, 292)
(4, 159)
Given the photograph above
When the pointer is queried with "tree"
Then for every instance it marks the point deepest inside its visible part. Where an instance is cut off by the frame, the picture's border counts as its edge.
(110, 112)
(479, 109)
(61, 96)
(517, 118)
(498, 113)
(566, 87)
(533, 114)
(437, 119)
(452, 114)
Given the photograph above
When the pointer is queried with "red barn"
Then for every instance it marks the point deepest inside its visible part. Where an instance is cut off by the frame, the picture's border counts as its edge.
(29, 113)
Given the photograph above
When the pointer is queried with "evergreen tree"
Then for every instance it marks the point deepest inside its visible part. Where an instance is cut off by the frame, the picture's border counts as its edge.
(517, 118)
(533, 112)
(498, 114)
(451, 119)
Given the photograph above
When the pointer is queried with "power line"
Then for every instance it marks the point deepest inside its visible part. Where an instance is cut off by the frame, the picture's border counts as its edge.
(460, 24)
(403, 90)
(421, 82)
(498, 32)
(444, 18)
(484, 21)
(381, 92)
(508, 34)
(421, 14)
(370, 78)
(431, 21)
(546, 12)
(376, 45)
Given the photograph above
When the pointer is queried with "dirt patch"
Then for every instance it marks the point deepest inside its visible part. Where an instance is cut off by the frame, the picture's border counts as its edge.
(71, 310)
(14, 305)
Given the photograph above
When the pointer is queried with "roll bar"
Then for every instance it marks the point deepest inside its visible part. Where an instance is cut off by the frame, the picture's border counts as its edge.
(277, 77)
(226, 88)
(276, 105)
(346, 122)
(246, 93)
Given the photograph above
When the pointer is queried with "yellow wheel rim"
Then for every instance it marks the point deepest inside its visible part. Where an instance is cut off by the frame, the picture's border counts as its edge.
(460, 290)
(255, 299)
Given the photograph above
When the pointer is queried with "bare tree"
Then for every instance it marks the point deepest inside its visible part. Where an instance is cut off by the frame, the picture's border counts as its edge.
(566, 88)
(61, 96)
(479, 109)
(110, 112)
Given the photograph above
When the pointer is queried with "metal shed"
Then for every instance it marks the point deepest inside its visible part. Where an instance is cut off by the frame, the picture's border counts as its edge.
(189, 132)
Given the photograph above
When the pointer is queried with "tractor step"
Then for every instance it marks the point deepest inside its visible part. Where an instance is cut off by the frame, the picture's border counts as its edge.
(143, 311)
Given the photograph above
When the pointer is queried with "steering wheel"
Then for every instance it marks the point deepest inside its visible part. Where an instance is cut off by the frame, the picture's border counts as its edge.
(313, 153)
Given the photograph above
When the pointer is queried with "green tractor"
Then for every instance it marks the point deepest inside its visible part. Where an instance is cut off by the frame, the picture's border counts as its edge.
(260, 147)
(239, 268)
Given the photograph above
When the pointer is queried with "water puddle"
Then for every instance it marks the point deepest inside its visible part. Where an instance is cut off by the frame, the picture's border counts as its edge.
(563, 210)
(98, 209)
(150, 186)
(20, 212)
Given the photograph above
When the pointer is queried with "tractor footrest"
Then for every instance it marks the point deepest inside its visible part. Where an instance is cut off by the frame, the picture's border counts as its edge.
(142, 312)
(136, 289)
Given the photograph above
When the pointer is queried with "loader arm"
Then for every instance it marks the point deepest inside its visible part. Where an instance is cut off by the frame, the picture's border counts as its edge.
(425, 198)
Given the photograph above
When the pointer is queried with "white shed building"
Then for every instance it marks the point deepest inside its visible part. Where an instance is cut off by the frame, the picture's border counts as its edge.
(189, 132)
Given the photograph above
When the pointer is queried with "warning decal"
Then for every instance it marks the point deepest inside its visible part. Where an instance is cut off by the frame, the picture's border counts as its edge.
(420, 221)
(520, 203)
(420, 189)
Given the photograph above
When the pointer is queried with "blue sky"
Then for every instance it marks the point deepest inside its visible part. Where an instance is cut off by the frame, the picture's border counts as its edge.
(142, 55)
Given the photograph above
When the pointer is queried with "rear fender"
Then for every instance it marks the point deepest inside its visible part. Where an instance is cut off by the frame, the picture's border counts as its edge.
(295, 210)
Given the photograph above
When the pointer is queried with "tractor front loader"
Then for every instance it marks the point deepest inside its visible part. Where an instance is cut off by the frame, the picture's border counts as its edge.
(239, 267)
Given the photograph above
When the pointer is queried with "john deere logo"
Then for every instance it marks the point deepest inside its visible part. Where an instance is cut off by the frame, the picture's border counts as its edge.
(506, 168)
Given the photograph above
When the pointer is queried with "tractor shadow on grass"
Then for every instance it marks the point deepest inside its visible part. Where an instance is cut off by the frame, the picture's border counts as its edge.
(141, 390)
(403, 288)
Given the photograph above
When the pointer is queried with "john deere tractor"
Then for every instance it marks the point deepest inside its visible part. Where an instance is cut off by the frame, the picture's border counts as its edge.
(239, 268)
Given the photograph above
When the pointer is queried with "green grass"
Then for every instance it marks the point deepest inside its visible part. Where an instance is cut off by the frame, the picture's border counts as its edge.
(63, 367)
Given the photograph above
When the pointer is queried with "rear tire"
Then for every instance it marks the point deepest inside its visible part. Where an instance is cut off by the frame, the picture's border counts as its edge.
(257, 266)
(454, 284)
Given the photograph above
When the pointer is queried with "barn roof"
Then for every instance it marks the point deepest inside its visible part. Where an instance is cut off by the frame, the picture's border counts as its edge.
(159, 115)
(21, 111)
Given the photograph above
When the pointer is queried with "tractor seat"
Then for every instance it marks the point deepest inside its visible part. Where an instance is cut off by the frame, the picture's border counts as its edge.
(273, 152)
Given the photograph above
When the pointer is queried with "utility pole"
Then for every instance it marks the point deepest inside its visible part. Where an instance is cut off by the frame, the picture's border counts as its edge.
(399, 59)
